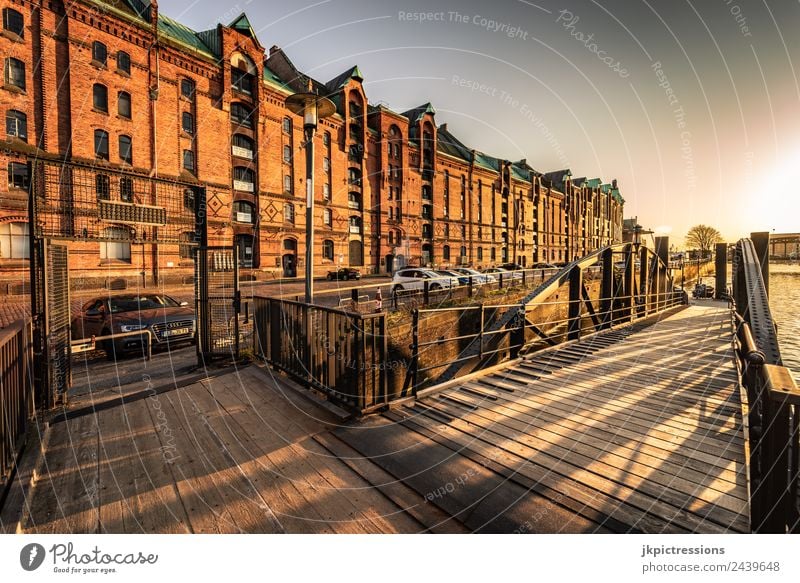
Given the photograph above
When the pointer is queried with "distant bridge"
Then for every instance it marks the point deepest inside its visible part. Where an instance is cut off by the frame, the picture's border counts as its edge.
(784, 246)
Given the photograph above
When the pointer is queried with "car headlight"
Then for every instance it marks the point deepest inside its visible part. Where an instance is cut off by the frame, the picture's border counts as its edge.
(132, 327)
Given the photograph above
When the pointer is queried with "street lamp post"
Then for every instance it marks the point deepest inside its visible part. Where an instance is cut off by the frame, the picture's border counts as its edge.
(313, 108)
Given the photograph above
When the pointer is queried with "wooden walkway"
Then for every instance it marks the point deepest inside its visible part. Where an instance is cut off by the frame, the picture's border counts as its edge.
(630, 430)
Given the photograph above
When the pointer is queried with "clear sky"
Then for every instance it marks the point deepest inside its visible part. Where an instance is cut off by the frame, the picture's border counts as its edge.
(693, 105)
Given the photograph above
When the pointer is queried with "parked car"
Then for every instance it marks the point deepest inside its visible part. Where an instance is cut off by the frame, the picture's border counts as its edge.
(456, 278)
(170, 322)
(703, 290)
(544, 266)
(414, 278)
(478, 278)
(345, 273)
(504, 273)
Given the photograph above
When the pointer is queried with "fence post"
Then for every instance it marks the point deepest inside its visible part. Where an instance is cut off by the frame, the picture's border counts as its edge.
(426, 293)
(641, 308)
(628, 291)
(517, 339)
(761, 245)
(480, 334)
(778, 393)
(354, 298)
(575, 286)
(607, 289)
(470, 291)
(721, 271)
(415, 350)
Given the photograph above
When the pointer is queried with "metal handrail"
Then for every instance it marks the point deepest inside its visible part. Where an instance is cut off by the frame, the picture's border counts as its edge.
(773, 400)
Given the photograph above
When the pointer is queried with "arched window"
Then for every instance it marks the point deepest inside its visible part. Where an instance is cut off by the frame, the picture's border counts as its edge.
(14, 241)
(185, 247)
(126, 149)
(354, 200)
(288, 212)
(354, 176)
(287, 125)
(243, 212)
(244, 179)
(15, 73)
(243, 147)
(187, 89)
(243, 72)
(126, 189)
(16, 125)
(287, 154)
(100, 97)
(187, 122)
(480, 253)
(327, 249)
(13, 22)
(119, 246)
(355, 225)
(189, 199)
(446, 253)
(327, 217)
(18, 175)
(287, 183)
(244, 247)
(102, 186)
(124, 104)
(99, 53)
(188, 160)
(123, 62)
(101, 144)
(241, 114)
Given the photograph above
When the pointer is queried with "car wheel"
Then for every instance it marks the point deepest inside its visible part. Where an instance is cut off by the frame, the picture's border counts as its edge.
(108, 346)
(435, 287)
(397, 290)
(345, 277)
(330, 277)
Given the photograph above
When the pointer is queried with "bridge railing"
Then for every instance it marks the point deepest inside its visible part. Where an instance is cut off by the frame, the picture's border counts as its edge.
(342, 354)
(16, 395)
(614, 285)
(773, 399)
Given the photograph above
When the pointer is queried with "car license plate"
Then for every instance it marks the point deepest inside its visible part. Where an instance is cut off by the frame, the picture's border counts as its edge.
(175, 332)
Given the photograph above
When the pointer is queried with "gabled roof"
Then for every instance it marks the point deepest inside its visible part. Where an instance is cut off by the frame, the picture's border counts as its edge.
(558, 177)
(242, 24)
(416, 114)
(183, 35)
(341, 80)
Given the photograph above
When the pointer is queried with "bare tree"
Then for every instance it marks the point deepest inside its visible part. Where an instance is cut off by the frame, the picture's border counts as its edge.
(703, 238)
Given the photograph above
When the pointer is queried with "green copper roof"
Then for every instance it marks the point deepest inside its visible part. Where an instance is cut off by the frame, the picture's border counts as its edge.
(519, 173)
(617, 196)
(182, 34)
(242, 24)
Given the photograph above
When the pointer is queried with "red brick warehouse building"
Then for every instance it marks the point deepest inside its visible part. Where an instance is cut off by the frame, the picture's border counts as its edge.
(120, 87)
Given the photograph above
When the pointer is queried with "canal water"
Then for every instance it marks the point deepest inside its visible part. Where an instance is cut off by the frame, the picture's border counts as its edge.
(784, 302)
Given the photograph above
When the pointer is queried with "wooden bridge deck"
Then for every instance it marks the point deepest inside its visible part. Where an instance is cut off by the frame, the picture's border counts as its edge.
(630, 430)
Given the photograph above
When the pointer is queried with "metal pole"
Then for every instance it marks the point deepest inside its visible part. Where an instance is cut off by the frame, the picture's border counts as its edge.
(721, 271)
(761, 244)
(309, 134)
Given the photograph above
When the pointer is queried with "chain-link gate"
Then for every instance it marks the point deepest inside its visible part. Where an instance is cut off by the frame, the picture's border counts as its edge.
(219, 305)
(95, 204)
(51, 319)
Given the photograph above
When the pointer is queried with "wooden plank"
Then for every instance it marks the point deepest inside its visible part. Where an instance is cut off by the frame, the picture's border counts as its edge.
(289, 463)
(606, 416)
(594, 455)
(621, 436)
(630, 495)
(687, 415)
(430, 518)
(140, 466)
(439, 433)
(64, 497)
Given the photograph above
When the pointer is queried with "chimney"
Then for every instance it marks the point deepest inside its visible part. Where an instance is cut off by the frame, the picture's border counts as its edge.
(154, 15)
(614, 183)
(443, 127)
(273, 49)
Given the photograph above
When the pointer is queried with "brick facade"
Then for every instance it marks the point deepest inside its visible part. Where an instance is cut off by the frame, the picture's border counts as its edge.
(391, 188)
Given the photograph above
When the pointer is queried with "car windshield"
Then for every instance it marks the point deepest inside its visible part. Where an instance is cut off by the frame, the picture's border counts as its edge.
(136, 303)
